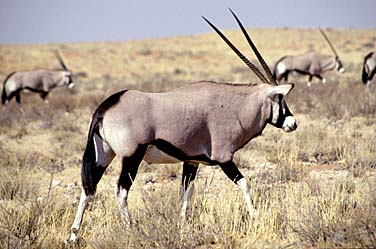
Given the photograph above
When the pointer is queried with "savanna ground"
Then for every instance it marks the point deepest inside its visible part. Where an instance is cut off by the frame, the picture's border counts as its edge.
(314, 187)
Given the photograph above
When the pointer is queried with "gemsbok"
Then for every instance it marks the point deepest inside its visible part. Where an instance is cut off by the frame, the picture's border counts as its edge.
(311, 63)
(203, 122)
(39, 81)
(369, 69)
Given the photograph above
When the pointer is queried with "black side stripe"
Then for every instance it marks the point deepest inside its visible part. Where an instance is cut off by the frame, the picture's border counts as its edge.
(177, 153)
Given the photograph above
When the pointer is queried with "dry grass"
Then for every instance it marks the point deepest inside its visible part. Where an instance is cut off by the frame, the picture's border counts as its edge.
(313, 188)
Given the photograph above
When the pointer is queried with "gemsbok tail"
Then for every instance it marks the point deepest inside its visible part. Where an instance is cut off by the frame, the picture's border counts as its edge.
(364, 72)
(364, 75)
(88, 173)
(4, 96)
(89, 158)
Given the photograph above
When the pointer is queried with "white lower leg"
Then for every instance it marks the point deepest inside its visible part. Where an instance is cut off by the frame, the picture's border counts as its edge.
(122, 196)
(84, 200)
(186, 195)
(243, 185)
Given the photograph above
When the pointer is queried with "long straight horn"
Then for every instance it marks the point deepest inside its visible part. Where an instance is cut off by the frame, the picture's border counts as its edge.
(61, 61)
(255, 50)
(327, 39)
(241, 56)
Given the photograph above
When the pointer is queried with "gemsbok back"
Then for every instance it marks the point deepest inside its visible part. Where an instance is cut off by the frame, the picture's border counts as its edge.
(369, 69)
(311, 63)
(204, 122)
(39, 81)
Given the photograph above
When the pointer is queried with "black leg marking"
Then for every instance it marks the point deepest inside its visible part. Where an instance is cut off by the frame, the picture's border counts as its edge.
(130, 167)
(11, 95)
(18, 98)
(43, 95)
(372, 74)
(318, 76)
(97, 174)
(231, 171)
(189, 174)
(286, 76)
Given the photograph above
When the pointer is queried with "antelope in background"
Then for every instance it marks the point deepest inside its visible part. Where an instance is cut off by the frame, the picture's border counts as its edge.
(311, 63)
(369, 69)
(204, 122)
(40, 81)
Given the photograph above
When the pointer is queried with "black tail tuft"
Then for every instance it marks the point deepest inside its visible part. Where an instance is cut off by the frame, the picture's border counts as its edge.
(364, 75)
(89, 161)
(4, 96)
(90, 174)
(367, 75)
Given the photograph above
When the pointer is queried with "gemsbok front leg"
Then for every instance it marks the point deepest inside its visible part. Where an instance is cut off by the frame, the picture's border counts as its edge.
(98, 155)
(187, 186)
(128, 173)
(232, 172)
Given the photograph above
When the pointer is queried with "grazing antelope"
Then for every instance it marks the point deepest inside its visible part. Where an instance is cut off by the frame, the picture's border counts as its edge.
(369, 69)
(204, 122)
(39, 81)
(311, 63)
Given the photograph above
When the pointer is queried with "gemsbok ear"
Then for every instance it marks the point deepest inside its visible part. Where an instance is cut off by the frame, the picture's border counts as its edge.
(280, 90)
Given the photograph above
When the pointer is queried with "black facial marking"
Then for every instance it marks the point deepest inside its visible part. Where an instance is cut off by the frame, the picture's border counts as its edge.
(70, 80)
(339, 62)
(281, 116)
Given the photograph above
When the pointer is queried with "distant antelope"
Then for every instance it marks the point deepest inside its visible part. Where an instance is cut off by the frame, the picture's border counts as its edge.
(369, 69)
(312, 63)
(39, 81)
(204, 122)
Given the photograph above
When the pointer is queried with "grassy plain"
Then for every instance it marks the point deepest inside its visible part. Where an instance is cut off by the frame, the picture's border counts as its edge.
(313, 188)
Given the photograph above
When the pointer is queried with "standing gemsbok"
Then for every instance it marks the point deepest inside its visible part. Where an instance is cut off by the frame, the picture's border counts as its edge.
(311, 63)
(39, 81)
(204, 122)
(369, 69)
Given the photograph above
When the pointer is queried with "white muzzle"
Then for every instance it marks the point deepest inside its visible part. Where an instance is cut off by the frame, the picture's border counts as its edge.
(289, 124)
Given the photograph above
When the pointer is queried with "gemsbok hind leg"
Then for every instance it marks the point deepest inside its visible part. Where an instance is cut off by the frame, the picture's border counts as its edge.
(187, 186)
(234, 174)
(128, 173)
(104, 155)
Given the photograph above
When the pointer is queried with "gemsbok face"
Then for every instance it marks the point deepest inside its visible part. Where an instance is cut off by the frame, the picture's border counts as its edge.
(40, 81)
(312, 63)
(281, 116)
(204, 122)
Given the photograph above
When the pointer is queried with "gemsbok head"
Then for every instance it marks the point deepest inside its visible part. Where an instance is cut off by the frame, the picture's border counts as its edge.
(369, 68)
(39, 81)
(311, 63)
(204, 122)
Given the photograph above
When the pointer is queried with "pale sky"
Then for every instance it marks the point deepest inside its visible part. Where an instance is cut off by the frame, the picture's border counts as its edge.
(51, 21)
